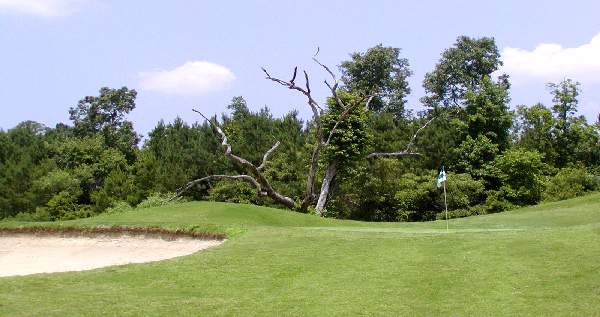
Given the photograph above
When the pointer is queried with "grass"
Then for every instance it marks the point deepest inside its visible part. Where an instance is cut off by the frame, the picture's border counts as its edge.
(541, 260)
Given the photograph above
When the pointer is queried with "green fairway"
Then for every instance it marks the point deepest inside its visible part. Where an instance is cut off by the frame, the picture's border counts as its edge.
(541, 260)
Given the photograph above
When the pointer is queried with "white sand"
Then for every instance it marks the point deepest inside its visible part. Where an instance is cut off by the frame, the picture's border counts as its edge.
(22, 255)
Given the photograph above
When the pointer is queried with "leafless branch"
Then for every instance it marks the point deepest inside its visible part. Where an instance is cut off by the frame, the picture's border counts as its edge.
(216, 127)
(317, 111)
(414, 137)
(292, 85)
(266, 156)
(258, 179)
(294, 77)
(333, 88)
(392, 154)
(326, 69)
(190, 184)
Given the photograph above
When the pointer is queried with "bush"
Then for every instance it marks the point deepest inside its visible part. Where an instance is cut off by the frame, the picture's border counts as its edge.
(521, 174)
(118, 186)
(61, 206)
(420, 199)
(40, 215)
(157, 199)
(119, 207)
(233, 192)
(495, 202)
(568, 183)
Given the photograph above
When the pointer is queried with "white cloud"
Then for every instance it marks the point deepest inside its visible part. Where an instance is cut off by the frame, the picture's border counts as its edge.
(191, 78)
(44, 8)
(552, 62)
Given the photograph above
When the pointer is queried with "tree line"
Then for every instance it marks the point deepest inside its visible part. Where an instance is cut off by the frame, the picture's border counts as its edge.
(363, 154)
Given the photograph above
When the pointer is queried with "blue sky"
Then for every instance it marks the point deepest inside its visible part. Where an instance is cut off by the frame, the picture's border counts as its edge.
(183, 54)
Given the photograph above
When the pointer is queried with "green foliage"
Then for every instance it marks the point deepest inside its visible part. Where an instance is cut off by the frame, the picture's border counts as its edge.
(95, 165)
(563, 138)
(534, 128)
(388, 194)
(23, 158)
(117, 186)
(119, 207)
(351, 137)
(521, 176)
(104, 115)
(568, 183)
(419, 198)
(176, 153)
(159, 199)
(474, 155)
(564, 96)
(376, 182)
(471, 107)
(487, 112)
(461, 69)
(61, 205)
(379, 70)
(233, 192)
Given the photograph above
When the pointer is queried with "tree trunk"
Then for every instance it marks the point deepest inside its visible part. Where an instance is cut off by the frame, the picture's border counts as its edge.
(326, 186)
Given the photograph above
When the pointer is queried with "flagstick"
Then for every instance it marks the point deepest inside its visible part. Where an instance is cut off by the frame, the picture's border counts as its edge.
(446, 204)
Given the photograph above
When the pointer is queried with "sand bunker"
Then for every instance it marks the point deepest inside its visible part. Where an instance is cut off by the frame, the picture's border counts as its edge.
(22, 255)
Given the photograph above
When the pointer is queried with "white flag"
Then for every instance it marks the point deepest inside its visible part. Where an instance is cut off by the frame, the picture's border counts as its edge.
(441, 178)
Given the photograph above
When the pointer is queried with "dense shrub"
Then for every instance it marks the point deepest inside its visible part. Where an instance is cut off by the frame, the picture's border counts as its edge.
(158, 199)
(420, 199)
(568, 183)
(521, 176)
(233, 192)
(118, 186)
(119, 207)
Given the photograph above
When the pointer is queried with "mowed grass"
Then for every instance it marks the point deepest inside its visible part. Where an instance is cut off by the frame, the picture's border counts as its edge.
(541, 260)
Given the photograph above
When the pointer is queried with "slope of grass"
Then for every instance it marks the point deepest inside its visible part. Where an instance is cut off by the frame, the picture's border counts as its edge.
(541, 260)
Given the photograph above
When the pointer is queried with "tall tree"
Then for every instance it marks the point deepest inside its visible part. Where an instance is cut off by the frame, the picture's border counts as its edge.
(469, 102)
(487, 112)
(534, 128)
(462, 68)
(333, 124)
(24, 157)
(105, 114)
(557, 132)
(380, 71)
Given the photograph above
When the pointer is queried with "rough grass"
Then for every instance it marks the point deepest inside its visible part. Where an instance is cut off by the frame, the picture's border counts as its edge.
(542, 260)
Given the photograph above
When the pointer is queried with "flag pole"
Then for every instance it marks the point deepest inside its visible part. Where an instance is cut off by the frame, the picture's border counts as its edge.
(446, 204)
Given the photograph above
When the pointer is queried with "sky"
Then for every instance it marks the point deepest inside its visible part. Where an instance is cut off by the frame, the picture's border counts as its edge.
(181, 54)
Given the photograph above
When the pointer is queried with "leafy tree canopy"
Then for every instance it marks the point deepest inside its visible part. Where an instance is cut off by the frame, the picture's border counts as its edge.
(380, 70)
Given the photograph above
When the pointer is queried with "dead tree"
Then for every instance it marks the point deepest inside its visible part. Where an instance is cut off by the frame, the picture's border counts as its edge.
(256, 179)
(255, 176)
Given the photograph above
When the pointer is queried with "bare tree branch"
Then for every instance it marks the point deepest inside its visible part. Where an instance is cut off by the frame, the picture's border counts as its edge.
(191, 184)
(258, 179)
(407, 150)
(326, 69)
(391, 154)
(292, 85)
(294, 77)
(414, 137)
(333, 88)
(317, 111)
(266, 156)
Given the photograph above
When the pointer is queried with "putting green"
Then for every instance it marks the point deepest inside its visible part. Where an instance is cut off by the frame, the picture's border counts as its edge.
(541, 260)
